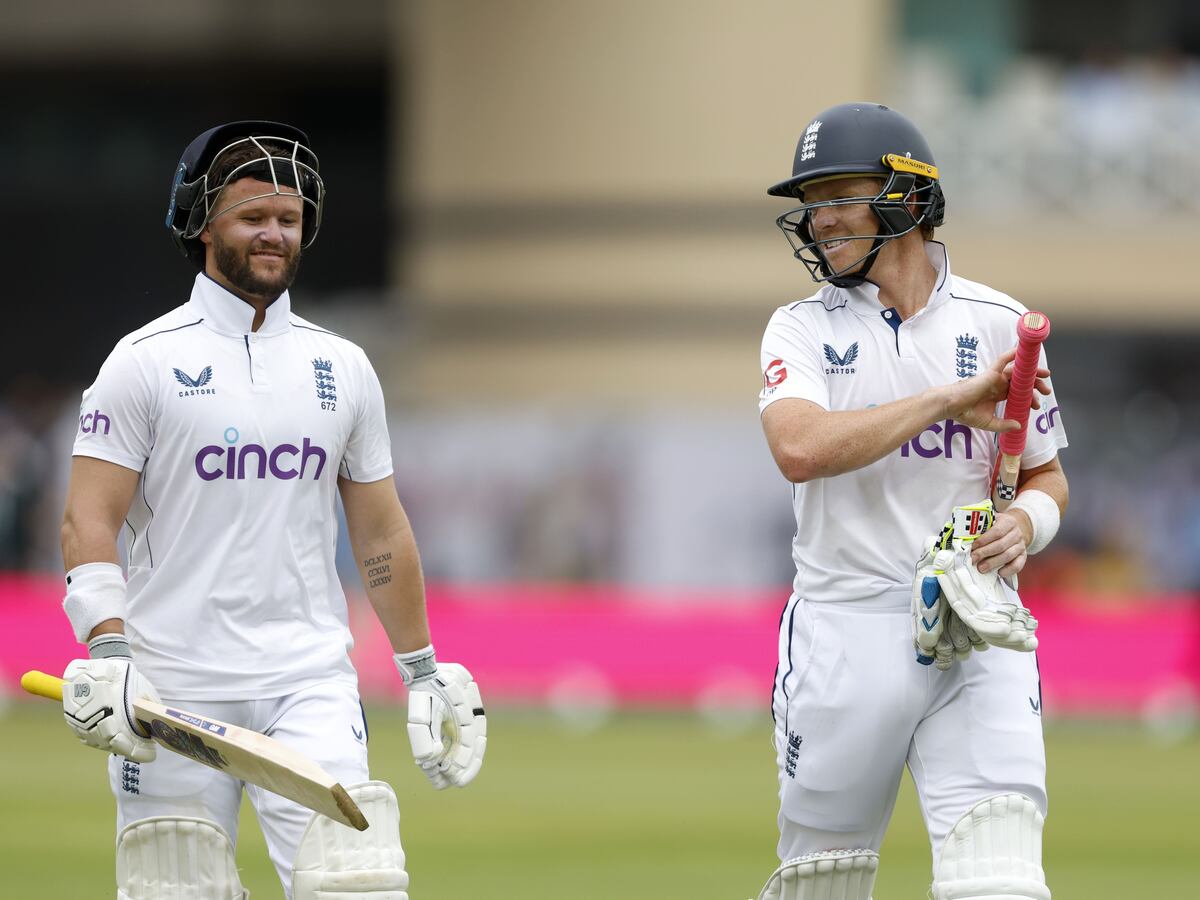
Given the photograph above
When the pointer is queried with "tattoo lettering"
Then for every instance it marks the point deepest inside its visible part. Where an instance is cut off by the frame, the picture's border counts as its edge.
(379, 570)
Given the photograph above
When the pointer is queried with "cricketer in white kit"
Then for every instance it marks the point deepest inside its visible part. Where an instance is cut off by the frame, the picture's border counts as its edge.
(221, 435)
(879, 405)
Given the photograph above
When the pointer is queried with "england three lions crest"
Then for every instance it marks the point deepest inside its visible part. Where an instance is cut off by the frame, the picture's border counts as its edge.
(966, 360)
(325, 383)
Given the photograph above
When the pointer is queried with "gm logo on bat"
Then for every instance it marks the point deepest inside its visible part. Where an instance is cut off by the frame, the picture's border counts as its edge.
(182, 742)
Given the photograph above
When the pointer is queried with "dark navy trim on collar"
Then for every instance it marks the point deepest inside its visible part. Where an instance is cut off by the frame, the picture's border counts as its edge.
(986, 302)
(167, 330)
(317, 330)
(892, 317)
(841, 305)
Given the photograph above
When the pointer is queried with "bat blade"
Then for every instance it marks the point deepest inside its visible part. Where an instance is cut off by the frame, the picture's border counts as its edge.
(236, 751)
(1032, 331)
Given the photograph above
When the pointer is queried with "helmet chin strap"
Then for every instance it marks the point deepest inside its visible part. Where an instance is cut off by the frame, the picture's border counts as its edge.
(853, 279)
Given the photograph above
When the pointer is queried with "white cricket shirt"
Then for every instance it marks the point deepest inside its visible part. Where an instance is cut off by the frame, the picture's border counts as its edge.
(859, 534)
(239, 437)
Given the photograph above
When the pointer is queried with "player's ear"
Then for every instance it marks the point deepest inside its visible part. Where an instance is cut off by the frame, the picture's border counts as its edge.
(205, 235)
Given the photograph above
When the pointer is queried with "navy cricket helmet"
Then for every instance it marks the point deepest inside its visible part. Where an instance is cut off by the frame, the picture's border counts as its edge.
(861, 140)
(267, 151)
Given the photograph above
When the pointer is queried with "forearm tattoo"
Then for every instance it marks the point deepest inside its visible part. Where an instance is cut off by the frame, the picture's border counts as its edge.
(379, 570)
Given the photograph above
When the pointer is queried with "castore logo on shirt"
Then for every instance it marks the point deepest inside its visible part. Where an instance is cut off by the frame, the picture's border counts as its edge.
(841, 364)
(195, 385)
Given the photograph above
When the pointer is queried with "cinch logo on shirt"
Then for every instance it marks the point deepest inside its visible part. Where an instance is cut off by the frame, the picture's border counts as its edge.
(947, 430)
(1046, 421)
(92, 422)
(841, 364)
(232, 461)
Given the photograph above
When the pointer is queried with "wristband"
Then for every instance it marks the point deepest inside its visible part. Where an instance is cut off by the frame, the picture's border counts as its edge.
(95, 593)
(416, 665)
(1043, 514)
(105, 646)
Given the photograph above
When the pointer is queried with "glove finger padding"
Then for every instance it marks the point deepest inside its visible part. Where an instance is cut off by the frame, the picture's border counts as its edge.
(979, 600)
(447, 726)
(929, 608)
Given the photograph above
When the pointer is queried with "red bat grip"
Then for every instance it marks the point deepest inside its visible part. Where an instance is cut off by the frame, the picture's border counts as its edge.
(1033, 328)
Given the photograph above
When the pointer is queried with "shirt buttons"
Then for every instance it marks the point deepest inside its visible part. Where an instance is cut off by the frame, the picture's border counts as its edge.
(887, 313)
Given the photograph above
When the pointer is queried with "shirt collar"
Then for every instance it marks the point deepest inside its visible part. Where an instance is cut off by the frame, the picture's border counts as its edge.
(864, 299)
(228, 314)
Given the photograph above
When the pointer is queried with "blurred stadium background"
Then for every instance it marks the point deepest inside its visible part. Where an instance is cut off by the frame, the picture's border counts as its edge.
(547, 225)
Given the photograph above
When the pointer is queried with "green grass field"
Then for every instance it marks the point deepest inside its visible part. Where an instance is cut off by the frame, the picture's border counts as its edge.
(646, 807)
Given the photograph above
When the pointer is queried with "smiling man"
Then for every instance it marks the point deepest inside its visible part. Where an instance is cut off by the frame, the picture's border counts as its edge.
(879, 405)
(221, 435)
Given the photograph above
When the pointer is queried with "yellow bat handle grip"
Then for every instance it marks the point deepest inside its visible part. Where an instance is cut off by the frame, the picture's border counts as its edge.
(43, 685)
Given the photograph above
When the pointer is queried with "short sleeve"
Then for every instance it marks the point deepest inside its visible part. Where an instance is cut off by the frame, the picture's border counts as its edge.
(368, 455)
(791, 363)
(1045, 435)
(115, 414)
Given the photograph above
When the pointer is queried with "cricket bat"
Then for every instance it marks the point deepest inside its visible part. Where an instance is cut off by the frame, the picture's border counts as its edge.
(240, 752)
(1032, 330)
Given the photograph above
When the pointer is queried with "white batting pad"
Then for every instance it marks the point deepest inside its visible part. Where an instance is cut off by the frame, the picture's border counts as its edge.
(334, 862)
(830, 875)
(994, 852)
(168, 858)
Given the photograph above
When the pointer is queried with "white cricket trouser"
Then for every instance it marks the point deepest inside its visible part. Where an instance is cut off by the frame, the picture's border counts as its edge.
(324, 722)
(852, 706)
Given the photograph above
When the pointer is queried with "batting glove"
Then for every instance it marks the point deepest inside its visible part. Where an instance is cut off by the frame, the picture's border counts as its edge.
(98, 699)
(979, 598)
(447, 726)
(939, 635)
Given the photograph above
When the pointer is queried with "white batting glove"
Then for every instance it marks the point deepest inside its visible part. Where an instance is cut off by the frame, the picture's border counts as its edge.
(447, 726)
(978, 598)
(98, 699)
(939, 635)
(929, 608)
(958, 640)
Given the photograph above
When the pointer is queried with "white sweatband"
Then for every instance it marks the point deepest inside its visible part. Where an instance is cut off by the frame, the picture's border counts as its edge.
(95, 593)
(1043, 515)
(416, 665)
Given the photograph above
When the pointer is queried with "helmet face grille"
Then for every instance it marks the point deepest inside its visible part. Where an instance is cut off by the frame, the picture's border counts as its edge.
(892, 206)
(281, 163)
(271, 152)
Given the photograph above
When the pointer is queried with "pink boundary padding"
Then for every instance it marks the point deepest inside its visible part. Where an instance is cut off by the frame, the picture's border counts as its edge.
(532, 643)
